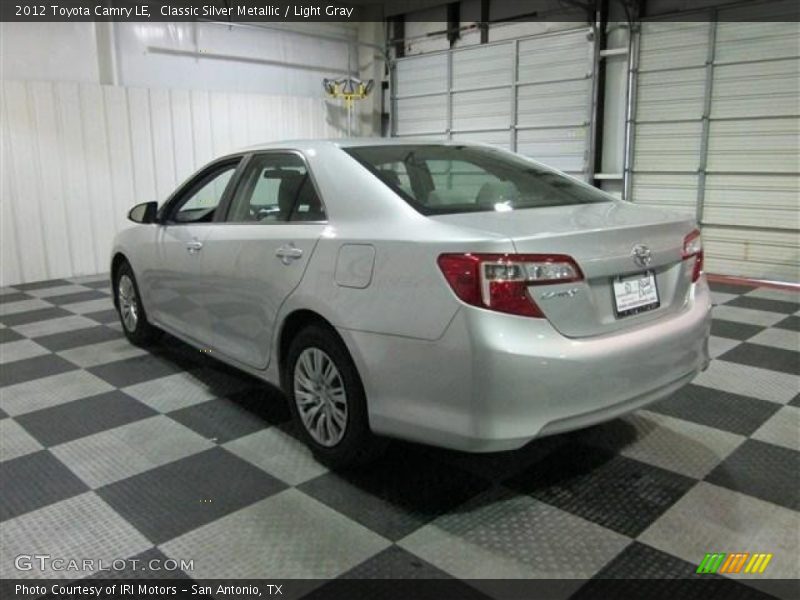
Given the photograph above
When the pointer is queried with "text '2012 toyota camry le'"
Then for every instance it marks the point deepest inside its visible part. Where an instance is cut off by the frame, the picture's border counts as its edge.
(447, 293)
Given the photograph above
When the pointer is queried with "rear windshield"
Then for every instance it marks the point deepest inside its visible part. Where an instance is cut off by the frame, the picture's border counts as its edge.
(437, 179)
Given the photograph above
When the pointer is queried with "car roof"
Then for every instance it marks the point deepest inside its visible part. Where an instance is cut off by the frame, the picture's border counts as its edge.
(352, 143)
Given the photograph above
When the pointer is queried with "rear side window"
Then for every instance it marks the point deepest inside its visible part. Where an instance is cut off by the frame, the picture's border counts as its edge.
(437, 179)
(276, 187)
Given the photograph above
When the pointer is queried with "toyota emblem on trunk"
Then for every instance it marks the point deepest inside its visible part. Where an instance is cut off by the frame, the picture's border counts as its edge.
(641, 255)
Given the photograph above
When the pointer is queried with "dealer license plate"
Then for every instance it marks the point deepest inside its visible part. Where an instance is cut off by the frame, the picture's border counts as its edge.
(634, 294)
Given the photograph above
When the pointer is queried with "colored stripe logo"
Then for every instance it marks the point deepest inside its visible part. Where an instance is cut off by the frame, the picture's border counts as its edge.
(734, 562)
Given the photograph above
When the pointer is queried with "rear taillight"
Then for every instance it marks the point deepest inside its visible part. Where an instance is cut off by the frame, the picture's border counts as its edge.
(693, 248)
(500, 281)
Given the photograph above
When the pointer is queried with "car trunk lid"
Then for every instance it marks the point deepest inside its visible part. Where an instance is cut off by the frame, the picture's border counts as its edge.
(601, 238)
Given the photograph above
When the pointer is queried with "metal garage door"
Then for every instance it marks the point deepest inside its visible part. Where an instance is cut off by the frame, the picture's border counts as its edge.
(717, 133)
(532, 95)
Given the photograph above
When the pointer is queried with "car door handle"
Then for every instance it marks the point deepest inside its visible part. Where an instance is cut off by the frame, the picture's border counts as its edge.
(194, 247)
(288, 253)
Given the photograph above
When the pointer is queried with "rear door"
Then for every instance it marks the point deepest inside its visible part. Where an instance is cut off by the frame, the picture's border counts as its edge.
(257, 256)
(176, 287)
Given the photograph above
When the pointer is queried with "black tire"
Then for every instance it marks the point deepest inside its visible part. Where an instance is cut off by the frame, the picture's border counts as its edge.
(358, 445)
(142, 333)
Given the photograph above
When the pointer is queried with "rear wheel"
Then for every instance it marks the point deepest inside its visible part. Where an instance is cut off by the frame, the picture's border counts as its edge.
(131, 312)
(327, 399)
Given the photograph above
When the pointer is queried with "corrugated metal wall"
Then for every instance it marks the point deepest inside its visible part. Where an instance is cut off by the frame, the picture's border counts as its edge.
(532, 95)
(717, 133)
(76, 157)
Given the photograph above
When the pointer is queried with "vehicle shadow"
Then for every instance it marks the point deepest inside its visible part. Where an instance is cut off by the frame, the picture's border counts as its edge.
(421, 482)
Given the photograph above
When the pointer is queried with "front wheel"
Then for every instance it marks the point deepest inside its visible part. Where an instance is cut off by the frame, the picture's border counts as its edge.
(327, 399)
(131, 312)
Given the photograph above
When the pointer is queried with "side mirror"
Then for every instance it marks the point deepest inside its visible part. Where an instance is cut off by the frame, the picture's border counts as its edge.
(144, 213)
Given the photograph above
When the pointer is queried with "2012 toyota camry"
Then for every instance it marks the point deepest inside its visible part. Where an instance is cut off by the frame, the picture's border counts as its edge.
(448, 293)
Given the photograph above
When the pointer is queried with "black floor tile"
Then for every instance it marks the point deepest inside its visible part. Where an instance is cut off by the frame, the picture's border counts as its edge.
(762, 470)
(78, 297)
(34, 316)
(734, 330)
(37, 367)
(104, 316)
(614, 491)
(729, 288)
(395, 563)
(397, 494)
(3, 414)
(33, 481)
(168, 501)
(41, 285)
(226, 419)
(644, 562)
(79, 418)
(127, 372)
(717, 409)
(792, 323)
(795, 401)
(14, 297)
(778, 306)
(9, 335)
(178, 352)
(98, 285)
(765, 357)
(56, 342)
(640, 571)
(405, 570)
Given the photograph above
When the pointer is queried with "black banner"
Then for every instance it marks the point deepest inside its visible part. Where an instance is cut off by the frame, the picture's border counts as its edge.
(707, 587)
(361, 10)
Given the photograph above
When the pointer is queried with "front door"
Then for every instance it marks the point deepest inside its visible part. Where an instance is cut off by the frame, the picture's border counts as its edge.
(178, 291)
(258, 255)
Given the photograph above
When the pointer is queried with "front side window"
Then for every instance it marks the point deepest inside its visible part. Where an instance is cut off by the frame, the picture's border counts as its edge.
(438, 179)
(201, 200)
(276, 188)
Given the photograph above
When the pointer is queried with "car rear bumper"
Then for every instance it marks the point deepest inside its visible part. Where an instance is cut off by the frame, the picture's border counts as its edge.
(494, 382)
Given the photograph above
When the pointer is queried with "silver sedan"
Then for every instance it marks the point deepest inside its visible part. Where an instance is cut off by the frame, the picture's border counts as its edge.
(447, 293)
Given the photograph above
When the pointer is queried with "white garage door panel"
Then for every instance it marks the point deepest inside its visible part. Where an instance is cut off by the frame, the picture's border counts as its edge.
(438, 137)
(484, 109)
(421, 75)
(555, 57)
(554, 104)
(761, 89)
(673, 192)
(755, 201)
(758, 145)
(667, 146)
(487, 66)
(547, 119)
(671, 95)
(421, 115)
(742, 174)
(752, 253)
(560, 148)
(495, 138)
(739, 41)
(673, 45)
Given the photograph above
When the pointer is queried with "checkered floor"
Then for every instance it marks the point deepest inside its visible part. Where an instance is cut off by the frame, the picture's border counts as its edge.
(110, 451)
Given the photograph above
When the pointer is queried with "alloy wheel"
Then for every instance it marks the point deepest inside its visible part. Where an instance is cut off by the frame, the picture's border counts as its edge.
(128, 308)
(320, 397)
